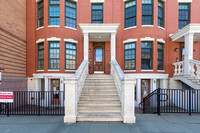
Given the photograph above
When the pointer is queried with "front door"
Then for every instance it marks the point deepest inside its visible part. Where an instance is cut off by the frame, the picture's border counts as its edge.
(145, 90)
(98, 59)
(55, 88)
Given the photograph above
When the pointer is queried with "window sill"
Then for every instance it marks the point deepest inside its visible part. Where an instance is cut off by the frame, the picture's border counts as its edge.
(53, 25)
(130, 27)
(147, 25)
(160, 70)
(146, 70)
(70, 70)
(40, 70)
(161, 28)
(40, 28)
(50, 70)
(70, 28)
(129, 70)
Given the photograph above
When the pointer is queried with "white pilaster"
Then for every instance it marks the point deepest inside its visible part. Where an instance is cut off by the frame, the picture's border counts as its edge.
(86, 45)
(153, 84)
(70, 101)
(138, 88)
(113, 46)
(46, 84)
(62, 90)
(129, 101)
(188, 52)
(164, 84)
(37, 84)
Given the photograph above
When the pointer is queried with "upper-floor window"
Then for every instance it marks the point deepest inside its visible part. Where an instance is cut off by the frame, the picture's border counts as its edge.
(147, 55)
(70, 56)
(147, 12)
(130, 56)
(130, 13)
(54, 55)
(184, 14)
(160, 56)
(40, 14)
(54, 12)
(70, 13)
(160, 13)
(41, 56)
(97, 13)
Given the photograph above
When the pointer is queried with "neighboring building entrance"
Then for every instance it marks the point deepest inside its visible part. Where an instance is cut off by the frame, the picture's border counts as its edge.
(145, 89)
(55, 88)
(99, 57)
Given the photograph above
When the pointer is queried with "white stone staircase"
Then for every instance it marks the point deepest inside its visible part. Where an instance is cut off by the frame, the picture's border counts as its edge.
(99, 100)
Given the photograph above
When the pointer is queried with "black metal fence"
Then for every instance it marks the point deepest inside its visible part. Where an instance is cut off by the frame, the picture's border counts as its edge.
(172, 101)
(35, 103)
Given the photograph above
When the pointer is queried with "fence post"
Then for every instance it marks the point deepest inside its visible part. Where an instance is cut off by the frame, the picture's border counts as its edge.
(38, 103)
(158, 101)
(7, 106)
(190, 101)
(143, 106)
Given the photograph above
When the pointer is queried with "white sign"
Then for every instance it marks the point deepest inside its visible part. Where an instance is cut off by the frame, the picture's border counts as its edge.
(6, 97)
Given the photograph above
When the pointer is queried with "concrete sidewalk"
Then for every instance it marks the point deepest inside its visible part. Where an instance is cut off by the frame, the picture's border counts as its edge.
(146, 123)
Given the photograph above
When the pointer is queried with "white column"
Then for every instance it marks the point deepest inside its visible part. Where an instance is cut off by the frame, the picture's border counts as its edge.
(86, 46)
(153, 85)
(138, 88)
(47, 95)
(113, 46)
(46, 84)
(188, 52)
(62, 90)
(70, 101)
(164, 84)
(37, 84)
(129, 101)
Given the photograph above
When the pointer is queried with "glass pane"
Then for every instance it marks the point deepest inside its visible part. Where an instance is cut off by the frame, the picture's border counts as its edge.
(145, 88)
(99, 54)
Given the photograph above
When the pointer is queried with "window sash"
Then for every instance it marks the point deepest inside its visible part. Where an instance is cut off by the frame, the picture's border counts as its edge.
(70, 63)
(54, 62)
(54, 18)
(130, 56)
(148, 52)
(94, 18)
(40, 14)
(70, 14)
(160, 13)
(147, 15)
(41, 56)
(130, 14)
(160, 56)
(184, 15)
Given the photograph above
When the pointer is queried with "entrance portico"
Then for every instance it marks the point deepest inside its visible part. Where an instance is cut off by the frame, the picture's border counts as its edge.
(99, 33)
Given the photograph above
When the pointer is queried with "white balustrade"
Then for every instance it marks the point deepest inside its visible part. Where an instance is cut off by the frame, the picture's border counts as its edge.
(178, 70)
(195, 68)
(126, 90)
(73, 89)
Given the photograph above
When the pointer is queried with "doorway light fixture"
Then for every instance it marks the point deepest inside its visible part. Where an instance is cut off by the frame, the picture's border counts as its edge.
(99, 37)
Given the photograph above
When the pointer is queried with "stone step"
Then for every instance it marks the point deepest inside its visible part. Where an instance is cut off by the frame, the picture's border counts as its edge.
(99, 84)
(99, 109)
(99, 87)
(99, 93)
(99, 103)
(103, 98)
(99, 81)
(99, 117)
(102, 90)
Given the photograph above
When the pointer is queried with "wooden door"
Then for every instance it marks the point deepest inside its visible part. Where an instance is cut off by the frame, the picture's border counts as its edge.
(55, 89)
(99, 59)
(145, 89)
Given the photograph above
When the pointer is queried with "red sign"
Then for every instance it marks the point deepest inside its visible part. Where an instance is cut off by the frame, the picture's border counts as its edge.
(6, 97)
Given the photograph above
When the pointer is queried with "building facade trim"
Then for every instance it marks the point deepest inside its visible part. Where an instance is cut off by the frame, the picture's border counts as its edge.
(70, 40)
(184, 1)
(40, 40)
(97, 1)
(130, 40)
(147, 39)
(53, 39)
(161, 40)
(147, 76)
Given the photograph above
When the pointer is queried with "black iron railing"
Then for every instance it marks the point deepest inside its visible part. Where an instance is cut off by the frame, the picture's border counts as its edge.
(35, 103)
(172, 101)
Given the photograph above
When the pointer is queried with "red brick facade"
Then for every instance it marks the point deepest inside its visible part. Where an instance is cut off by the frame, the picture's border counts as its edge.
(113, 13)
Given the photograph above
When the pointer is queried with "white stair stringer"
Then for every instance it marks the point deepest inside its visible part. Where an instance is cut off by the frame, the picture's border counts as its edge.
(99, 100)
(189, 80)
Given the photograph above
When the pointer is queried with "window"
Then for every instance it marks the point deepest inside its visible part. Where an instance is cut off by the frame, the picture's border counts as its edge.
(54, 55)
(54, 12)
(130, 13)
(40, 14)
(70, 14)
(160, 56)
(97, 13)
(147, 12)
(70, 56)
(41, 56)
(184, 15)
(147, 55)
(130, 56)
(160, 13)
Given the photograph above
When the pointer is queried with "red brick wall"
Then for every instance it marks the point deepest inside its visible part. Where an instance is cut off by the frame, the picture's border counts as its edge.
(113, 13)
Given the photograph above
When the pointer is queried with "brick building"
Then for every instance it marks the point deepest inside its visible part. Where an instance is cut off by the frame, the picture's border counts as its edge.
(13, 45)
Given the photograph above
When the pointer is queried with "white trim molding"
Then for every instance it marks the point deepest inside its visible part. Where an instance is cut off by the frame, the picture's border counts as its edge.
(71, 40)
(147, 25)
(38, 0)
(53, 39)
(130, 40)
(147, 76)
(40, 28)
(53, 26)
(147, 39)
(96, 1)
(184, 1)
(40, 40)
(52, 75)
(130, 28)
(161, 40)
(67, 27)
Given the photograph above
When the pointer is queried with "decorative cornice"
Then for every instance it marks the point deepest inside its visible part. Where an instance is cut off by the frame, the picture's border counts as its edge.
(147, 39)
(184, 1)
(130, 40)
(161, 40)
(53, 39)
(71, 40)
(97, 1)
(40, 40)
